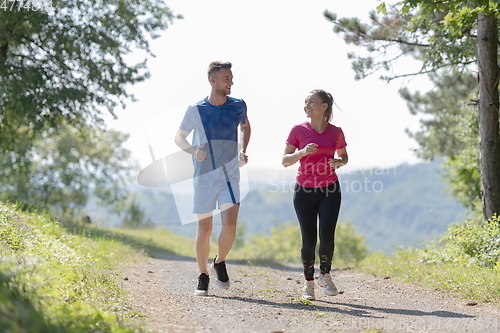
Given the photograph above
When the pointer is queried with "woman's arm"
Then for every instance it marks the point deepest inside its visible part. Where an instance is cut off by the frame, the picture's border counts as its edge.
(342, 159)
(292, 155)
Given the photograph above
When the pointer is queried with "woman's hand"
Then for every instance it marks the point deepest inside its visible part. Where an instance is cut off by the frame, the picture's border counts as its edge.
(311, 148)
(336, 162)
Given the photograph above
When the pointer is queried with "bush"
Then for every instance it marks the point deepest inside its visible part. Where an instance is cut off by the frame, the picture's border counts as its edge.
(284, 243)
(470, 243)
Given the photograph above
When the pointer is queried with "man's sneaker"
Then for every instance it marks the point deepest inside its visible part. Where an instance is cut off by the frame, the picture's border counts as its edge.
(202, 289)
(219, 270)
(325, 281)
(308, 291)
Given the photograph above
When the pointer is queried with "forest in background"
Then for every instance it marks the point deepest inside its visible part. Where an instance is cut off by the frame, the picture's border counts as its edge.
(58, 155)
(400, 206)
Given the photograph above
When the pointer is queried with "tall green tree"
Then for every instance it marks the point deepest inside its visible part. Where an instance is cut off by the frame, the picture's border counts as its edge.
(450, 131)
(61, 68)
(441, 33)
(66, 64)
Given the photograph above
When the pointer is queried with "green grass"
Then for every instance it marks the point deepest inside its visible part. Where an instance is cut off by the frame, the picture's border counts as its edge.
(471, 282)
(158, 242)
(56, 278)
(66, 277)
(466, 260)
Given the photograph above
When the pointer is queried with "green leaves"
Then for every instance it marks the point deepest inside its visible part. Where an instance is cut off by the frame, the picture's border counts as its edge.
(438, 34)
(475, 244)
(60, 69)
(382, 8)
(69, 63)
(383, 38)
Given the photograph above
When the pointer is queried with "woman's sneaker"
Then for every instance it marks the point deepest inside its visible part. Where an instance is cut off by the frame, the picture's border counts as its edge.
(219, 270)
(202, 289)
(325, 281)
(308, 291)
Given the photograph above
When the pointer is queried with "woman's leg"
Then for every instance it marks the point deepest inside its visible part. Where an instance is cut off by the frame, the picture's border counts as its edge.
(305, 201)
(329, 209)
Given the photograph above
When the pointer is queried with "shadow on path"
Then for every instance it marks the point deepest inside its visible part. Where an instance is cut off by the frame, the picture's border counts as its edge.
(353, 309)
(441, 314)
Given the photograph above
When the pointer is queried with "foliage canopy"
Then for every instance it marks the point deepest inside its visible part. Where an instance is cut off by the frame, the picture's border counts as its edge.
(67, 63)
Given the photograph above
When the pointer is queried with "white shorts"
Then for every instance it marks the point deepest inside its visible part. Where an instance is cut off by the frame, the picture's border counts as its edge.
(207, 198)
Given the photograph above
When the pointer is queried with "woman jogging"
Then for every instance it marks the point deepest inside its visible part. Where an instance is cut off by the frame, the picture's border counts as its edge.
(320, 148)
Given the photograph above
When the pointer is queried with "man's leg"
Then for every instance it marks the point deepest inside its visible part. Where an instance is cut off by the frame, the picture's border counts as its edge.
(202, 246)
(229, 216)
(202, 243)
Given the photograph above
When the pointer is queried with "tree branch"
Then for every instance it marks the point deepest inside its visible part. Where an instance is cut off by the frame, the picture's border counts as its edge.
(400, 41)
(428, 71)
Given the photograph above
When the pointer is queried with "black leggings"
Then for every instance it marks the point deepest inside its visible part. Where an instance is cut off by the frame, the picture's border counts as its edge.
(311, 203)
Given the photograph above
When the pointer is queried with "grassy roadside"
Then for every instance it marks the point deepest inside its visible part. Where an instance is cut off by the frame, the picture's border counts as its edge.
(447, 265)
(465, 260)
(56, 278)
(478, 283)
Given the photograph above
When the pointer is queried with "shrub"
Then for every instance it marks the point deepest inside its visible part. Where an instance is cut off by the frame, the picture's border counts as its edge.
(470, 243)
(284, 243)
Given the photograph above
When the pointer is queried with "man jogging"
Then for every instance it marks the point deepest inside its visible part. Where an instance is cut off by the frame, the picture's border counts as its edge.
(217, 156)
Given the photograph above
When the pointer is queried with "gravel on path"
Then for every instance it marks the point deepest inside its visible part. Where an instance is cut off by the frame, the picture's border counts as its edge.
(267, 299)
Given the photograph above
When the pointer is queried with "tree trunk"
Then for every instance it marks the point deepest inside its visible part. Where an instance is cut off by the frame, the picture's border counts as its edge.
(487, 52)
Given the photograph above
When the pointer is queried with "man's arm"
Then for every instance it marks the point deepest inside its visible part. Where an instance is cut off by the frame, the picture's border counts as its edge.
(245, 131)
(182, 142)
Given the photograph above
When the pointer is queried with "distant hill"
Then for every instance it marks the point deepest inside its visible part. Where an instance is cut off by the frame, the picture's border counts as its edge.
(397, 206)
(403, 206)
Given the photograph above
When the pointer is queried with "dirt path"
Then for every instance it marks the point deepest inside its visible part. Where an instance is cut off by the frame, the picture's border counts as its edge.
(265, 299)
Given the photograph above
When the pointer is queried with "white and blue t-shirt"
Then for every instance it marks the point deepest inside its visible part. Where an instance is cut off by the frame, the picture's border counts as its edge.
(217, 128)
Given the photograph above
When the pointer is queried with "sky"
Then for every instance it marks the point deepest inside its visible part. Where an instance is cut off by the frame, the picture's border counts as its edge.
(280, 51)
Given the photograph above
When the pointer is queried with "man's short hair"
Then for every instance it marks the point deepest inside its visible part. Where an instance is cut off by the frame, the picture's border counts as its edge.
(215, 66)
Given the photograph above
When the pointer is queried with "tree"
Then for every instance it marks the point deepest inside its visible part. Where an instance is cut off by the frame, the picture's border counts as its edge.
(440, 134)
(67, 63)
(60, 171)
(462, 169)
(450, 131)
(60, 69)
(442, 33)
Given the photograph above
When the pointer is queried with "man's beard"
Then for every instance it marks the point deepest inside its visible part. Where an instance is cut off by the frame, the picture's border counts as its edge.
(224, 91)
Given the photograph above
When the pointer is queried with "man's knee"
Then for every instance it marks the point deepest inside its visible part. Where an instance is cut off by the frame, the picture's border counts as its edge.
(229, 226)
(204, 229)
